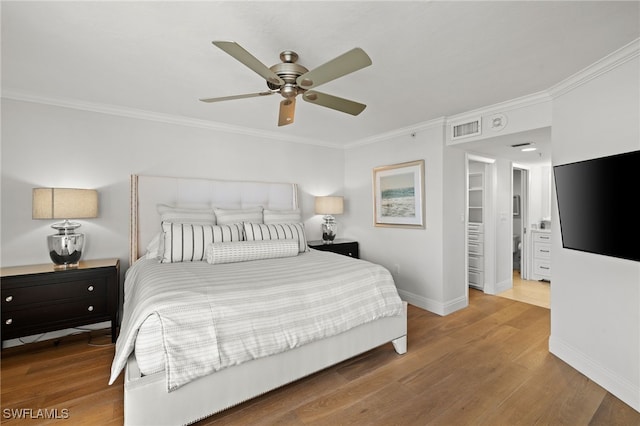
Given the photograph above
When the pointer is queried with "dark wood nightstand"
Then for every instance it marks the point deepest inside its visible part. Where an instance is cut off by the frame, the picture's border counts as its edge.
(340, 246)
(38, 298)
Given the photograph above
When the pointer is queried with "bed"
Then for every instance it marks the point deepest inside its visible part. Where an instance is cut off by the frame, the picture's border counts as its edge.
(154, 390)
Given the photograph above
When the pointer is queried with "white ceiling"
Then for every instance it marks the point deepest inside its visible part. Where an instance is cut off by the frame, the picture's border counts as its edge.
(430, 59)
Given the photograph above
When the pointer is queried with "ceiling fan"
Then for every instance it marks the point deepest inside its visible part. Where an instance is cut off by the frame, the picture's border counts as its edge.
(290, 79)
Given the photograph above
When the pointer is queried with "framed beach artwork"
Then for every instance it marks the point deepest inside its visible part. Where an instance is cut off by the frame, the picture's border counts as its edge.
(398, 195)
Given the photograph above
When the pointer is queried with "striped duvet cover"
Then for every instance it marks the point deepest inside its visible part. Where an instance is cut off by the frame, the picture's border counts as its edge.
(215, 316)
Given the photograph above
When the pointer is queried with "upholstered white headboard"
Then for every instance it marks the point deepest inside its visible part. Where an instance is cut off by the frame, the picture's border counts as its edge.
(149, 191)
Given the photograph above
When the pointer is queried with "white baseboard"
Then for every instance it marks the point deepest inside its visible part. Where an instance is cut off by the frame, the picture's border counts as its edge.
(504, 286)
(434, 306)
(619, 386)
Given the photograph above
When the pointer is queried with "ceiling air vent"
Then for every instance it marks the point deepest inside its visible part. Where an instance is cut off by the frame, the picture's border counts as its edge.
(464, 130)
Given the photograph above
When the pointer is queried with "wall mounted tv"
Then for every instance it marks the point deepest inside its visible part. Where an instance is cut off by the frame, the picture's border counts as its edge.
(597, 205)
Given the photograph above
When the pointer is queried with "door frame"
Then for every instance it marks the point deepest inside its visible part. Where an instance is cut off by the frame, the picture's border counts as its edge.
(489, 222)
(525, 182)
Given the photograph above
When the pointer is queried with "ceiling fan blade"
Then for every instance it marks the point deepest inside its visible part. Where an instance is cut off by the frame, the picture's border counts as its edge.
(344, 64)
(238, 52)
(228, 98)
(334, 102)
(287, 111)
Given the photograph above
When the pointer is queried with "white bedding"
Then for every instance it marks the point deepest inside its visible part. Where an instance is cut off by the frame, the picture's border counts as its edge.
(235, 312)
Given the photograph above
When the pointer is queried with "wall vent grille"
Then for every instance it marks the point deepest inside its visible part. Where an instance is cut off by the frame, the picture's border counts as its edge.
(464, 130)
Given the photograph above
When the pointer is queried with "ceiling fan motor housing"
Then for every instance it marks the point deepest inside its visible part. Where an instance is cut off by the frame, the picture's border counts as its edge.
(288, 71)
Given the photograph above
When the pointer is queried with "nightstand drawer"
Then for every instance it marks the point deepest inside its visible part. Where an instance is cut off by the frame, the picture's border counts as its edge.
(53, 312)
(34, 293)
(339, 246)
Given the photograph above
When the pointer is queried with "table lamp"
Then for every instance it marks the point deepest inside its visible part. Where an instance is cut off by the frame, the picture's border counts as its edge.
(328, 206)
(65, 247)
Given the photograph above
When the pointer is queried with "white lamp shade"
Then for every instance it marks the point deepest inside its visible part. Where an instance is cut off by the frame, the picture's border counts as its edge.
(64, 203)
(329, 205)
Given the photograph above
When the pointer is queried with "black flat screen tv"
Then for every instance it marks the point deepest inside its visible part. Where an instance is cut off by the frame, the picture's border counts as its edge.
(597, 205)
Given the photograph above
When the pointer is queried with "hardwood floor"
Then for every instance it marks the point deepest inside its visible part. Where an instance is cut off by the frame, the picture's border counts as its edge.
(488, 364)
(533, 292)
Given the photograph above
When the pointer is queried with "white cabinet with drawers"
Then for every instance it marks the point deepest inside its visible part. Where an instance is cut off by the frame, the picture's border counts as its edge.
(476, 255)
(541, 255)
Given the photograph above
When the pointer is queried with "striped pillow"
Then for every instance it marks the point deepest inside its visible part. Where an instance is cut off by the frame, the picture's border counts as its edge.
(281, 231)
(242, 251)
(282, 216)
(176, 214)
(227, 216)
(187, 242)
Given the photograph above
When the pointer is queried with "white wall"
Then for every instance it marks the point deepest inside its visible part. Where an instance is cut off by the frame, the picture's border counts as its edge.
(417, 258)
(595, 300)
(46, 145)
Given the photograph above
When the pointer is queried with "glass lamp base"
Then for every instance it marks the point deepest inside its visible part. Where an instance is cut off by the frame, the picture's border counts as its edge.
(65, 250)
(329, 229)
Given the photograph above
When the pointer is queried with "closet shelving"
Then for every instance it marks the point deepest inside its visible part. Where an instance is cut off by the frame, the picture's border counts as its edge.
(475, 229)
(476, 196)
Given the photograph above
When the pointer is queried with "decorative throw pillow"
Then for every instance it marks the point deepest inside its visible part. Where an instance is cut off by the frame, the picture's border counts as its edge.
(282, 216)
(242, 251)
(177, 214)
(187, 242)
(227, 216)
(281, 231)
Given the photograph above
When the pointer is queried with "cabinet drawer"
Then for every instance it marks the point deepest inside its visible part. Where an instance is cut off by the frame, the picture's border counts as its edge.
(476, 248)
(476, 236)
(35, 293)
(476, 278)
(542, 267)
(476, 262)
(346, 248)
(22, 319)
(541, 250)
(475, 227)
(541, 237)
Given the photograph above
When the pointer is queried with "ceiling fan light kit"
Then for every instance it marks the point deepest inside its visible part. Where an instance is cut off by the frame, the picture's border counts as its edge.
(290, 79)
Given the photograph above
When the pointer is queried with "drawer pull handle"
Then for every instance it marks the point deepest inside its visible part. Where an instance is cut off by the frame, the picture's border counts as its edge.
(9, 298)
(545, 267)
(9, 321)
(90, 309)
(544, 251)
(90, 288)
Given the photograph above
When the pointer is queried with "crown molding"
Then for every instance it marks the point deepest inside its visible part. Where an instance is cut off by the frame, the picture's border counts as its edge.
(403, 131)
(602, 66)
(159, 117)
(521, 102)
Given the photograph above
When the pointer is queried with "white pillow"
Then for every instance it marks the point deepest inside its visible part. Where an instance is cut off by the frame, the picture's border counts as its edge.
(282, 216)
(242, 251)
(187, 242)
(281, 231)
(177, 214)
(227, 216)
(154, 248)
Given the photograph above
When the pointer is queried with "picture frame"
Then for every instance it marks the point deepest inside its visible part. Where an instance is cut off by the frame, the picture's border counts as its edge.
(398, 195)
